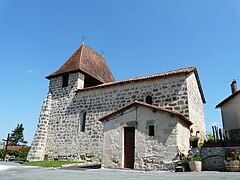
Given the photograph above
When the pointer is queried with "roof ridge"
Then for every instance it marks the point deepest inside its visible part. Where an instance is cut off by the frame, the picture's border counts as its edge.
(160, 108)
(93, 51)
(227, 99)
(80, 55)
(147, 105)
(74, 54)
(171, 71)
(163, 74)
(181, 70)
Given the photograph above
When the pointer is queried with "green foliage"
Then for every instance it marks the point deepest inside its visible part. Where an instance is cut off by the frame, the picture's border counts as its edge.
(231, 155)
(13, 153)
(197, 158)
(1, 153)
(219, 136)
(49, 163)
(210, 137)
(213, 142)
(210, 140)
(20, 155)
(193, 156)
(200, 145)
(23, 153)
(16, 137)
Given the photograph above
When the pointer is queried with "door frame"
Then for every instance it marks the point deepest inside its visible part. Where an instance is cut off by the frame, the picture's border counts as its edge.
(134, 141)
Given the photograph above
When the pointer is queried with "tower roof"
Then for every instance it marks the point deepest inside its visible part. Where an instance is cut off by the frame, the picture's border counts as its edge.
(88, 61)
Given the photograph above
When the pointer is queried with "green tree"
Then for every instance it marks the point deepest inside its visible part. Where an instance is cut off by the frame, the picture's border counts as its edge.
(16, 137)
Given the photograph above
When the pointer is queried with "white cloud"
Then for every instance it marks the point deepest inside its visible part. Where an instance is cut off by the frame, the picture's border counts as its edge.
(30, 71)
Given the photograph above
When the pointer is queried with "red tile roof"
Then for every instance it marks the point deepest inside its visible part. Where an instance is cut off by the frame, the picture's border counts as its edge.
(164, 74)
(139, 103)
(88, 61)
(16, 148)
(227, 99)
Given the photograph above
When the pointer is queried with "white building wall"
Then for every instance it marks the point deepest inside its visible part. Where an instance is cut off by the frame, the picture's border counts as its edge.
(183, 135)
(151, 152)
(231, 113)
(195, 106)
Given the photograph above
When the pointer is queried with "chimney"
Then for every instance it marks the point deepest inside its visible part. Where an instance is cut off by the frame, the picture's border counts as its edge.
(234, 86)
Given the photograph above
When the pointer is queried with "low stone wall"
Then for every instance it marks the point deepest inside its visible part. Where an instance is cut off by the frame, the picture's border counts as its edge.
(213, 158)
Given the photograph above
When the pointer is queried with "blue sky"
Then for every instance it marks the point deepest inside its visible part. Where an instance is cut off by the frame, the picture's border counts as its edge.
(139, 37)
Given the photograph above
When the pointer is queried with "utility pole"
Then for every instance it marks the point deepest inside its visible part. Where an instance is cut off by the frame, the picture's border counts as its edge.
(7, 141)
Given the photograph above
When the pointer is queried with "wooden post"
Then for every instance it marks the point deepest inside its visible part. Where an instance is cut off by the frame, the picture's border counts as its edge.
(7, 141)
(213, 133)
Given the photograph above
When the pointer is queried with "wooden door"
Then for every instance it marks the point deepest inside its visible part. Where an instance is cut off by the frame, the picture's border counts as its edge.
(129, 146)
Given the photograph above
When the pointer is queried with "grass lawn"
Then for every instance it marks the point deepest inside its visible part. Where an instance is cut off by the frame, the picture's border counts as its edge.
(49, 163)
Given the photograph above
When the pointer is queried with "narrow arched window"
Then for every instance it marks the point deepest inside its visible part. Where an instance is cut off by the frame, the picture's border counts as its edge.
(65, 80)
(82, 122)
(151, 130)
(149, 99)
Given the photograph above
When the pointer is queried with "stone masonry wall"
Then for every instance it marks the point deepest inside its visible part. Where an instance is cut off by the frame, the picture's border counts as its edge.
(37, 150)
(64, 137)
(213, 158)
(64, 118)
(195, 104)
(151, 152)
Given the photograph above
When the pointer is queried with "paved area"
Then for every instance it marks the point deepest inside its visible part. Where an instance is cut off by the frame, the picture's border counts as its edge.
(13, 171)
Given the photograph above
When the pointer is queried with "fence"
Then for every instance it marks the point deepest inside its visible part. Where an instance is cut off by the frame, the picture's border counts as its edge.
(226, 135)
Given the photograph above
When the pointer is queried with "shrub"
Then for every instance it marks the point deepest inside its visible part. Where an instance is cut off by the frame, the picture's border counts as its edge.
(1, 153)
(20, 155)
(231, 154)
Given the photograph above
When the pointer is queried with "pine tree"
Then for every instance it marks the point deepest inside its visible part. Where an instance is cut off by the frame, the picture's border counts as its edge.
(16, 137)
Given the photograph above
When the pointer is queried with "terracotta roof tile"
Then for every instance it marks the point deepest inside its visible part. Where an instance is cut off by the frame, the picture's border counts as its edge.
(139, 103)
(88, 61)
(16, 148)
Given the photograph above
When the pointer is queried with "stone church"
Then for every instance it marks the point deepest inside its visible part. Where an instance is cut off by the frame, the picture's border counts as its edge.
(136, 123)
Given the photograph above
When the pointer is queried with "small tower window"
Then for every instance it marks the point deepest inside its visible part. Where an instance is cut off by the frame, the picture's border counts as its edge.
(149, 99)
(83, 122)
(65, 80)
(151, 130)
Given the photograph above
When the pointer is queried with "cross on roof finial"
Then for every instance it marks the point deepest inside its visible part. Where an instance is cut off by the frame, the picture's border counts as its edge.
(83, 39)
